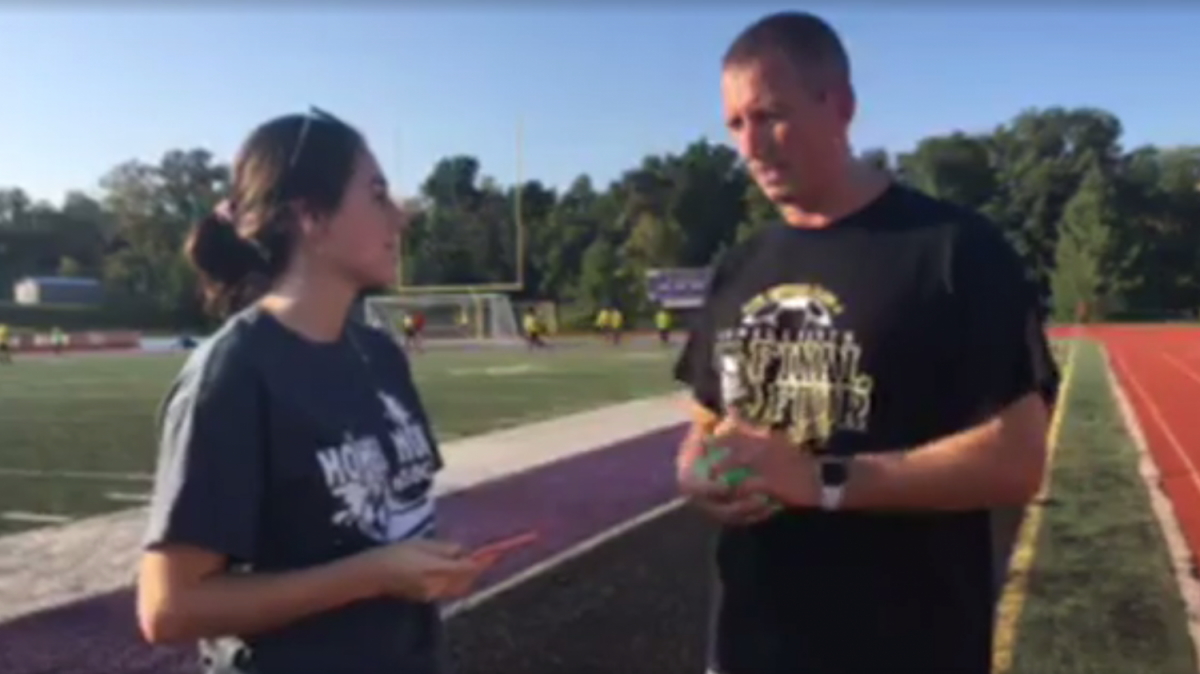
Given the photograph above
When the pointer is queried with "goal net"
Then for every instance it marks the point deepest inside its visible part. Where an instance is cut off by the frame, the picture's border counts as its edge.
(487, 317)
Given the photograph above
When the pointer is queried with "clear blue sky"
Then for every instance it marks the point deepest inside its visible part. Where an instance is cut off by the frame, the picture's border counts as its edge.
(597, 89)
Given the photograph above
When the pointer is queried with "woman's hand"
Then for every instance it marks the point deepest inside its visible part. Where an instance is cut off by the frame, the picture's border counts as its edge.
(424, 570)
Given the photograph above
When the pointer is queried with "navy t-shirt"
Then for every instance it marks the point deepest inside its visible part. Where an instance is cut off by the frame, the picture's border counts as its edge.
(282, 453)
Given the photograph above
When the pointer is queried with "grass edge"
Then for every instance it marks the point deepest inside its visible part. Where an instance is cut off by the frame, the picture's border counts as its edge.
(1014, 595)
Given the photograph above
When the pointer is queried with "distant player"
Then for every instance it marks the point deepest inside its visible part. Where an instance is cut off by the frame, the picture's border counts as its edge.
(662, 321)
(616, 320)
(5, 349)
(533, 329)
(58, 340)
(419, 324)
(602, 323)
(409, 325)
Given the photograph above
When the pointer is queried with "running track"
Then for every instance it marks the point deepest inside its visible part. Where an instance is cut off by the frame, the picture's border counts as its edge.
(1159, 369)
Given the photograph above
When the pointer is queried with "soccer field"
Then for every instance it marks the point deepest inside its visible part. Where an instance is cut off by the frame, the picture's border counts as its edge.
(77, 433)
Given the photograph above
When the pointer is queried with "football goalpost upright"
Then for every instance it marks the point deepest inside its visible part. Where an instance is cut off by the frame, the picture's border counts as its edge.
(475, 313)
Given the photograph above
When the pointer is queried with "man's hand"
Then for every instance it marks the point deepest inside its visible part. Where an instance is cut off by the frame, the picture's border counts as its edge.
(778, 468)
(723, 503)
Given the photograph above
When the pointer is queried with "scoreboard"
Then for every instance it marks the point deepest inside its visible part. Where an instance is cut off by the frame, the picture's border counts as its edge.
(678, 288)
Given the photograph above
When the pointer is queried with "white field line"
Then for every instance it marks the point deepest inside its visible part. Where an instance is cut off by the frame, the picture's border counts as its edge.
(26, 517)
(126, 497)
(99, 475)
(573, 552)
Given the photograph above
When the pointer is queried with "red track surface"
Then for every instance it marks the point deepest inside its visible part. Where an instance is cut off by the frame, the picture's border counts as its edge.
(1159, 369)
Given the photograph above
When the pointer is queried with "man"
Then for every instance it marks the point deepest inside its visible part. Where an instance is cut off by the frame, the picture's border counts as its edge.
(662, 321)
(602, 323)
(418, 326)
(408, 324)
(873, 368)
(616, 323)
(58, 340)
(533, 329)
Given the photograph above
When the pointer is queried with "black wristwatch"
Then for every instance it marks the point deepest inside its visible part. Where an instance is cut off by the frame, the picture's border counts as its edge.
(833, 472)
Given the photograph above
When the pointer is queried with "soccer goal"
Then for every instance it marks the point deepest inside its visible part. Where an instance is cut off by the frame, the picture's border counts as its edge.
(466, 317)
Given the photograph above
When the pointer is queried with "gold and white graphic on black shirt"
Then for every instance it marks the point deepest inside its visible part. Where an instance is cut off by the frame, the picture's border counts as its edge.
(787, 365)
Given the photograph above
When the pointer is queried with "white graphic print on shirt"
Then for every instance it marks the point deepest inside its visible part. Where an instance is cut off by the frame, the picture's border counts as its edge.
(369, 490)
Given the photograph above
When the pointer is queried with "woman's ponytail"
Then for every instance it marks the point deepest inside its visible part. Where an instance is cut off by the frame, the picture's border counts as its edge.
(227, 264)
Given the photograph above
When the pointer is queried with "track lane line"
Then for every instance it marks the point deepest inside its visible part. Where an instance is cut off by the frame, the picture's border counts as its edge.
(1156, 414)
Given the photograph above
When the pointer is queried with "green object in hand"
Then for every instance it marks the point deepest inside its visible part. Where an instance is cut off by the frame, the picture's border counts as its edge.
(730, 478)
(714, 455)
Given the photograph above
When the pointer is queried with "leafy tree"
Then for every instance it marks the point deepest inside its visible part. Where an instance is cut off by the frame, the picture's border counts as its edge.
(1096, 223)
(1089, 259)
(598, 282)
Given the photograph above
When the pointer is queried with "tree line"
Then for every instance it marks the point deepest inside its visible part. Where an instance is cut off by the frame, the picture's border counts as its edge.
(1113, 228)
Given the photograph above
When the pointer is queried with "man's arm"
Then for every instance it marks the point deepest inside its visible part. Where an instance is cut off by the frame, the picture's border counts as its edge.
(1000, 462)
(694, 369)
(1010, 378)
(703, 422)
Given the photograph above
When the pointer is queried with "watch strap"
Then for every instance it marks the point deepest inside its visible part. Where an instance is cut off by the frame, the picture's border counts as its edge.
(832, 475)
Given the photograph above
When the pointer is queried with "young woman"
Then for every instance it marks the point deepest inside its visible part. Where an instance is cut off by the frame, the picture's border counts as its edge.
(292, 523)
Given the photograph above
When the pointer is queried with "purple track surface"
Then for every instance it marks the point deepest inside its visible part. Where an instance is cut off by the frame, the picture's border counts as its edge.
(567, 501)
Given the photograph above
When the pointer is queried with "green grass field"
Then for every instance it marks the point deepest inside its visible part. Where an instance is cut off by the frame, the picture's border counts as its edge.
(77, 433)
(1102, 598)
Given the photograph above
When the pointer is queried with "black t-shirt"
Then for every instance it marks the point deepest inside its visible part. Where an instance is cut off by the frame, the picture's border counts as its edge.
(902, 323)
(283, 453)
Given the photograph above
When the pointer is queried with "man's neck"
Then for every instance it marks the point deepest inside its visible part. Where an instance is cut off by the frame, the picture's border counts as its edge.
(862, 185)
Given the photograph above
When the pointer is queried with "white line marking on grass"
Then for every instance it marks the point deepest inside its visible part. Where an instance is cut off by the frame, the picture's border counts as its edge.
(573, 552)
(498, 370)
(644, 355)
(75, 475)
(26, 517)
(126, 497)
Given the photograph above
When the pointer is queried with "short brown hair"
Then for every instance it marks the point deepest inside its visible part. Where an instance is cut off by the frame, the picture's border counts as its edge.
(807, 41)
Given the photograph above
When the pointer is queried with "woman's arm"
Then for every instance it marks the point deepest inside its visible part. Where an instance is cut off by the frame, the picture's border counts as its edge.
(185, 593)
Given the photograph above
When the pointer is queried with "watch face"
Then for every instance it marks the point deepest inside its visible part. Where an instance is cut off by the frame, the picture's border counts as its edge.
(834, 473)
